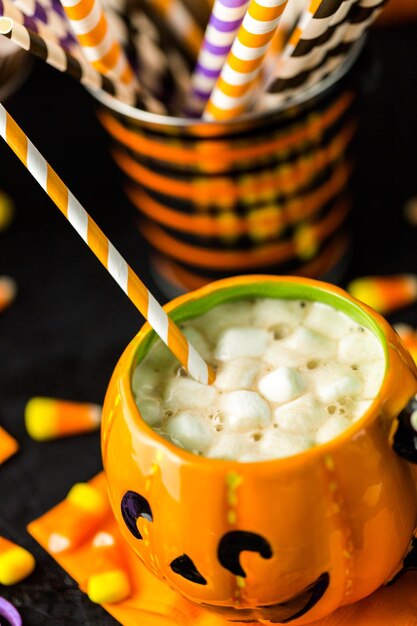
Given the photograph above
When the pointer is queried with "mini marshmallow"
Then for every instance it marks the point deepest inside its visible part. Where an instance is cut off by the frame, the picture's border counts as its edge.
(182, 393)
(360, 346)
(327, 321)
(237, 374)
(189, 431)
(269, 312)
(300, 415)
(310, 343)
(215, 321)
(150, 410)
(244, 410)
(281, 385)
(331, 428)
(372, 374)
(242, 342)
(276, 444)
(346, 385)
(145, 380)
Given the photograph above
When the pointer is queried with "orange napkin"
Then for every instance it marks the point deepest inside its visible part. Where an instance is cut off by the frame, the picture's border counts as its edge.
(153, 603)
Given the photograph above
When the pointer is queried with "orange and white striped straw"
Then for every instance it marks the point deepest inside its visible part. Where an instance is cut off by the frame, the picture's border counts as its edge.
(233, 89)
(92, 29)
(96, 240)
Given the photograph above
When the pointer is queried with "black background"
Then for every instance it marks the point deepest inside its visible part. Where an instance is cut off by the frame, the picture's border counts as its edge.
(70, 323)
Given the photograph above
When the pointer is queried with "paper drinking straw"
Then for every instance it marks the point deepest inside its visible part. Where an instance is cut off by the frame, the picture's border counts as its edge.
(107, 254)
(100, 47)
(39, 24)
(312, 70)
(180, 21)
(78, 68)
(49, 12)
(366, 12)
(240, 72)
(223, 25)
(321, 32)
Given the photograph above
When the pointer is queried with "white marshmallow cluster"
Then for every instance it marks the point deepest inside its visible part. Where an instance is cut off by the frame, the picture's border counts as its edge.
(289, 375)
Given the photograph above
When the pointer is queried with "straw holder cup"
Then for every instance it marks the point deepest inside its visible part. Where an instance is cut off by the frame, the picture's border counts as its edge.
(268, 192)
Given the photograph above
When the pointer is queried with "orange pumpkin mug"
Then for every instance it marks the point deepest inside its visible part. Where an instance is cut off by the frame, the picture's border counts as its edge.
(277, 541)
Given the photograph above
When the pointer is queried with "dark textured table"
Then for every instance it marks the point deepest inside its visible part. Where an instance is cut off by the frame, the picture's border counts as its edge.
(63, 335)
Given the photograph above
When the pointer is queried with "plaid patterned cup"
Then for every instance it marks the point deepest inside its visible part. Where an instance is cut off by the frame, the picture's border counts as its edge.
(268, 193)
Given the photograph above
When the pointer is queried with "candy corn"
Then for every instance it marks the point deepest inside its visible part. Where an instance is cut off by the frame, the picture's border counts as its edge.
(110, 581)
(47, 418)
(8, 291)
(6, 210)
(16, 563)
(77, 517)
(8, 445)
(385, 293)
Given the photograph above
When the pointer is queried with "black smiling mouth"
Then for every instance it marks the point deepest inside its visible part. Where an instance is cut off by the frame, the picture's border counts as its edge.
(281, 612)
(231, 545)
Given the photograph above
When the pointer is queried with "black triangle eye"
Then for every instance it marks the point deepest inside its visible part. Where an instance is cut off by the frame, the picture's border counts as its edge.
(184, 566)
(237, 541)
(134, 506)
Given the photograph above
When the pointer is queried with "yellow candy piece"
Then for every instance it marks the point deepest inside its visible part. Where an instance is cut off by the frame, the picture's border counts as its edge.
(112, 586)
(16, 563)
(385, 293)
(88, 498)
(50, 418)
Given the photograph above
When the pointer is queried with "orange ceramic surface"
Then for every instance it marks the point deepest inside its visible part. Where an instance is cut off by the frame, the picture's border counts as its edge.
(285, 540)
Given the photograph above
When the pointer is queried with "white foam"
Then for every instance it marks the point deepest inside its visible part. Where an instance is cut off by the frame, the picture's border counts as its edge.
(276, 443)
(333, 427)
(359, 409)
(277, 355)
(300, 415)
(237, 374)
(269, 312)
(242, 342)
(228, 446)
(327, 321)
(244, 410)
(372, 373)
(281, 385)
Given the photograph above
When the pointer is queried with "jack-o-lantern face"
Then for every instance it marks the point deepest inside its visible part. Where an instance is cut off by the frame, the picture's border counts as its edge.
(231, 545)
(275, 541)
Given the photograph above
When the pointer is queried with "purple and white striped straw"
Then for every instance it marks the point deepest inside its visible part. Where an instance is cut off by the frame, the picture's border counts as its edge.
(223, 25)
